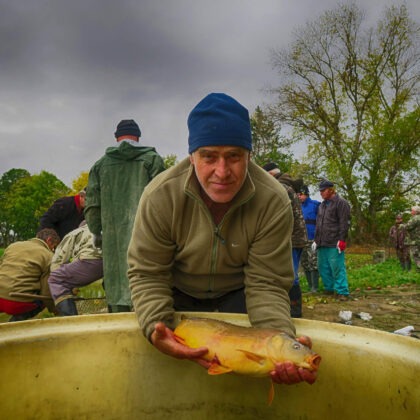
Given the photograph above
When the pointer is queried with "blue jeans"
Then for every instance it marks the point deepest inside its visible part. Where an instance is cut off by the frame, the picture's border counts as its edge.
(332, 270)
(296, 254)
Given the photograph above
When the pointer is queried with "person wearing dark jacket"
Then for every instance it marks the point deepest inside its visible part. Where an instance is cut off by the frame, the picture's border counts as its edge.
(64, 215)
(332, 225)
(116, 183)
(299, 234)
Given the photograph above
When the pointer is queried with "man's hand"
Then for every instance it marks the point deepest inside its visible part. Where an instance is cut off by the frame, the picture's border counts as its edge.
(163, 339)
(341, 246)
(287, 373)
(97, 241)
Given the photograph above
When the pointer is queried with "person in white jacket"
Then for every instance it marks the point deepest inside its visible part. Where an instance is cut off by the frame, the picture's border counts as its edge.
(76, 263)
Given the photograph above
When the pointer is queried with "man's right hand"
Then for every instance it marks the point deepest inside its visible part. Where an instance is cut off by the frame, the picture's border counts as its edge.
(163, 339)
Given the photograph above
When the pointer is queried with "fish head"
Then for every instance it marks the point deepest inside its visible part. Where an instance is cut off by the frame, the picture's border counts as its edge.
(281, 347)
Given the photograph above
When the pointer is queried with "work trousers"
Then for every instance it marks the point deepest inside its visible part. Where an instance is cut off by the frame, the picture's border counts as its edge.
(309, 259)
(78, 273)
(332, 270)
(232, 302)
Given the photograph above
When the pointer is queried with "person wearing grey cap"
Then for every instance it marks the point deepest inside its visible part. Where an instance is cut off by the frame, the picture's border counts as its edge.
(413, 235)
(397, 237)
(332, 225)
(116, 183)
(213, 234)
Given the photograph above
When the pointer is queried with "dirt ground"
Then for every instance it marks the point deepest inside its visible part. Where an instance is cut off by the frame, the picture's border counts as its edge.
(391, 309)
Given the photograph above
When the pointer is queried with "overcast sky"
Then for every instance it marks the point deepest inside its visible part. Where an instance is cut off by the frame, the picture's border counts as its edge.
(71, 70)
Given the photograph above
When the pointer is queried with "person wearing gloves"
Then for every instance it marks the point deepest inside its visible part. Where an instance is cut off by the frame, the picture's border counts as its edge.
(309, 258)
(213, 233)
(76, 263)
(116, 183)
(332, 225)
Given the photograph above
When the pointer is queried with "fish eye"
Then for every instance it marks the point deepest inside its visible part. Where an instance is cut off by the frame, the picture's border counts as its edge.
(296, 346)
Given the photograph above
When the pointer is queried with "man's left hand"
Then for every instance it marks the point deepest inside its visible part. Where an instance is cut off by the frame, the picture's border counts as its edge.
(288, 373)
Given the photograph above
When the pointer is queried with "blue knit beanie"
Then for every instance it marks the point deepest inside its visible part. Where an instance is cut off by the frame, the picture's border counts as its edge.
(219, 120)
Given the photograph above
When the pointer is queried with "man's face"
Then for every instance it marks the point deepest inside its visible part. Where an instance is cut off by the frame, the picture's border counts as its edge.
(327, 194)
(82, 201)
(302, 197)
(398, 220)
(221, 170)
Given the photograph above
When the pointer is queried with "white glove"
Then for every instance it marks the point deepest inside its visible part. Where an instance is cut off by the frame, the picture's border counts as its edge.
(97, 241)
(313, 246)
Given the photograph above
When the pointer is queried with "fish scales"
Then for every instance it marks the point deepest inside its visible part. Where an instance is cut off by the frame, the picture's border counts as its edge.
(243, 350)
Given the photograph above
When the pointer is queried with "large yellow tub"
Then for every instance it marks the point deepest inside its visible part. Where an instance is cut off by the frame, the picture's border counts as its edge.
(100, 367)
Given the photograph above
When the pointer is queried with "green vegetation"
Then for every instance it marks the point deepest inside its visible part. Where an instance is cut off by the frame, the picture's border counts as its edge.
(349, 89)
(361, 274)
(23, 200)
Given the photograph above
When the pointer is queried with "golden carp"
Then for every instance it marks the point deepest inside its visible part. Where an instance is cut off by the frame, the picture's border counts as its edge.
(243, 350)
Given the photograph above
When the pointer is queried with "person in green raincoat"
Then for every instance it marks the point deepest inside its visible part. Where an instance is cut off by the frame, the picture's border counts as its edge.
(116, 183)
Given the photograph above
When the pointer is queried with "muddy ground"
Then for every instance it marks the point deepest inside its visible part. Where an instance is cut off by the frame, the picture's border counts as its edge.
(391, 309)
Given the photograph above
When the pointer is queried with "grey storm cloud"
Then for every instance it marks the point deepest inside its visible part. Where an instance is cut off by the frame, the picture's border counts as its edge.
(70, 70)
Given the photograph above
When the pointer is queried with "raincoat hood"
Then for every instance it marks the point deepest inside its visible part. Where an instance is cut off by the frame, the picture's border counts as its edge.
(126, 151)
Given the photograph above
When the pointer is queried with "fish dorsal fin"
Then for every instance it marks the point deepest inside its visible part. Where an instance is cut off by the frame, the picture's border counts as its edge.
(253, 356)
(217, 369)
(271, 394)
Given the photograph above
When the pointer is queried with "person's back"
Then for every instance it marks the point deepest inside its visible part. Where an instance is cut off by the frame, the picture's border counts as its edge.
(64, 215)
(116, 183)
(24, 269)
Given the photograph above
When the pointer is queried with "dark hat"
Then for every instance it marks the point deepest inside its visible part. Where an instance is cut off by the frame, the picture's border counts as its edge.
(270, 166)
(325, 184)
(127, 128)
(304, 190)
(219, 120)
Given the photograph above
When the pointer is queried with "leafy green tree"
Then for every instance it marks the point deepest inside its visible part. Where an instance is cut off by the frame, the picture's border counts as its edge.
(267, 144)
(170, 160)
(7, 181)
(28, 199)
(79, 183)
(351, 92)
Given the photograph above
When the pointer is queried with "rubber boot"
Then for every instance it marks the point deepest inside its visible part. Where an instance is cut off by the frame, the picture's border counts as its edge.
(25, 315)
(308, 275)
(112, 309)
(67, 307)
(295, 295)
(315, 280)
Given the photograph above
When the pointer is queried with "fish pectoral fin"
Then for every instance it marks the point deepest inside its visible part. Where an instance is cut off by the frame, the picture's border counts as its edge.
(254, 356)
(271, 394)
(217, 369)
(179, 339)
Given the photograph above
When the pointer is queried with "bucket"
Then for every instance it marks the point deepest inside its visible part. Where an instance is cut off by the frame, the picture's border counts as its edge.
(101, 367)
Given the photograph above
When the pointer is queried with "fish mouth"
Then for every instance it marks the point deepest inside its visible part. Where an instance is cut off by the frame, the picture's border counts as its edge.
(314, 361)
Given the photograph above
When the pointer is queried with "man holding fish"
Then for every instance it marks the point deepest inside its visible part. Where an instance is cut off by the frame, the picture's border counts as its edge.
(213, 233)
